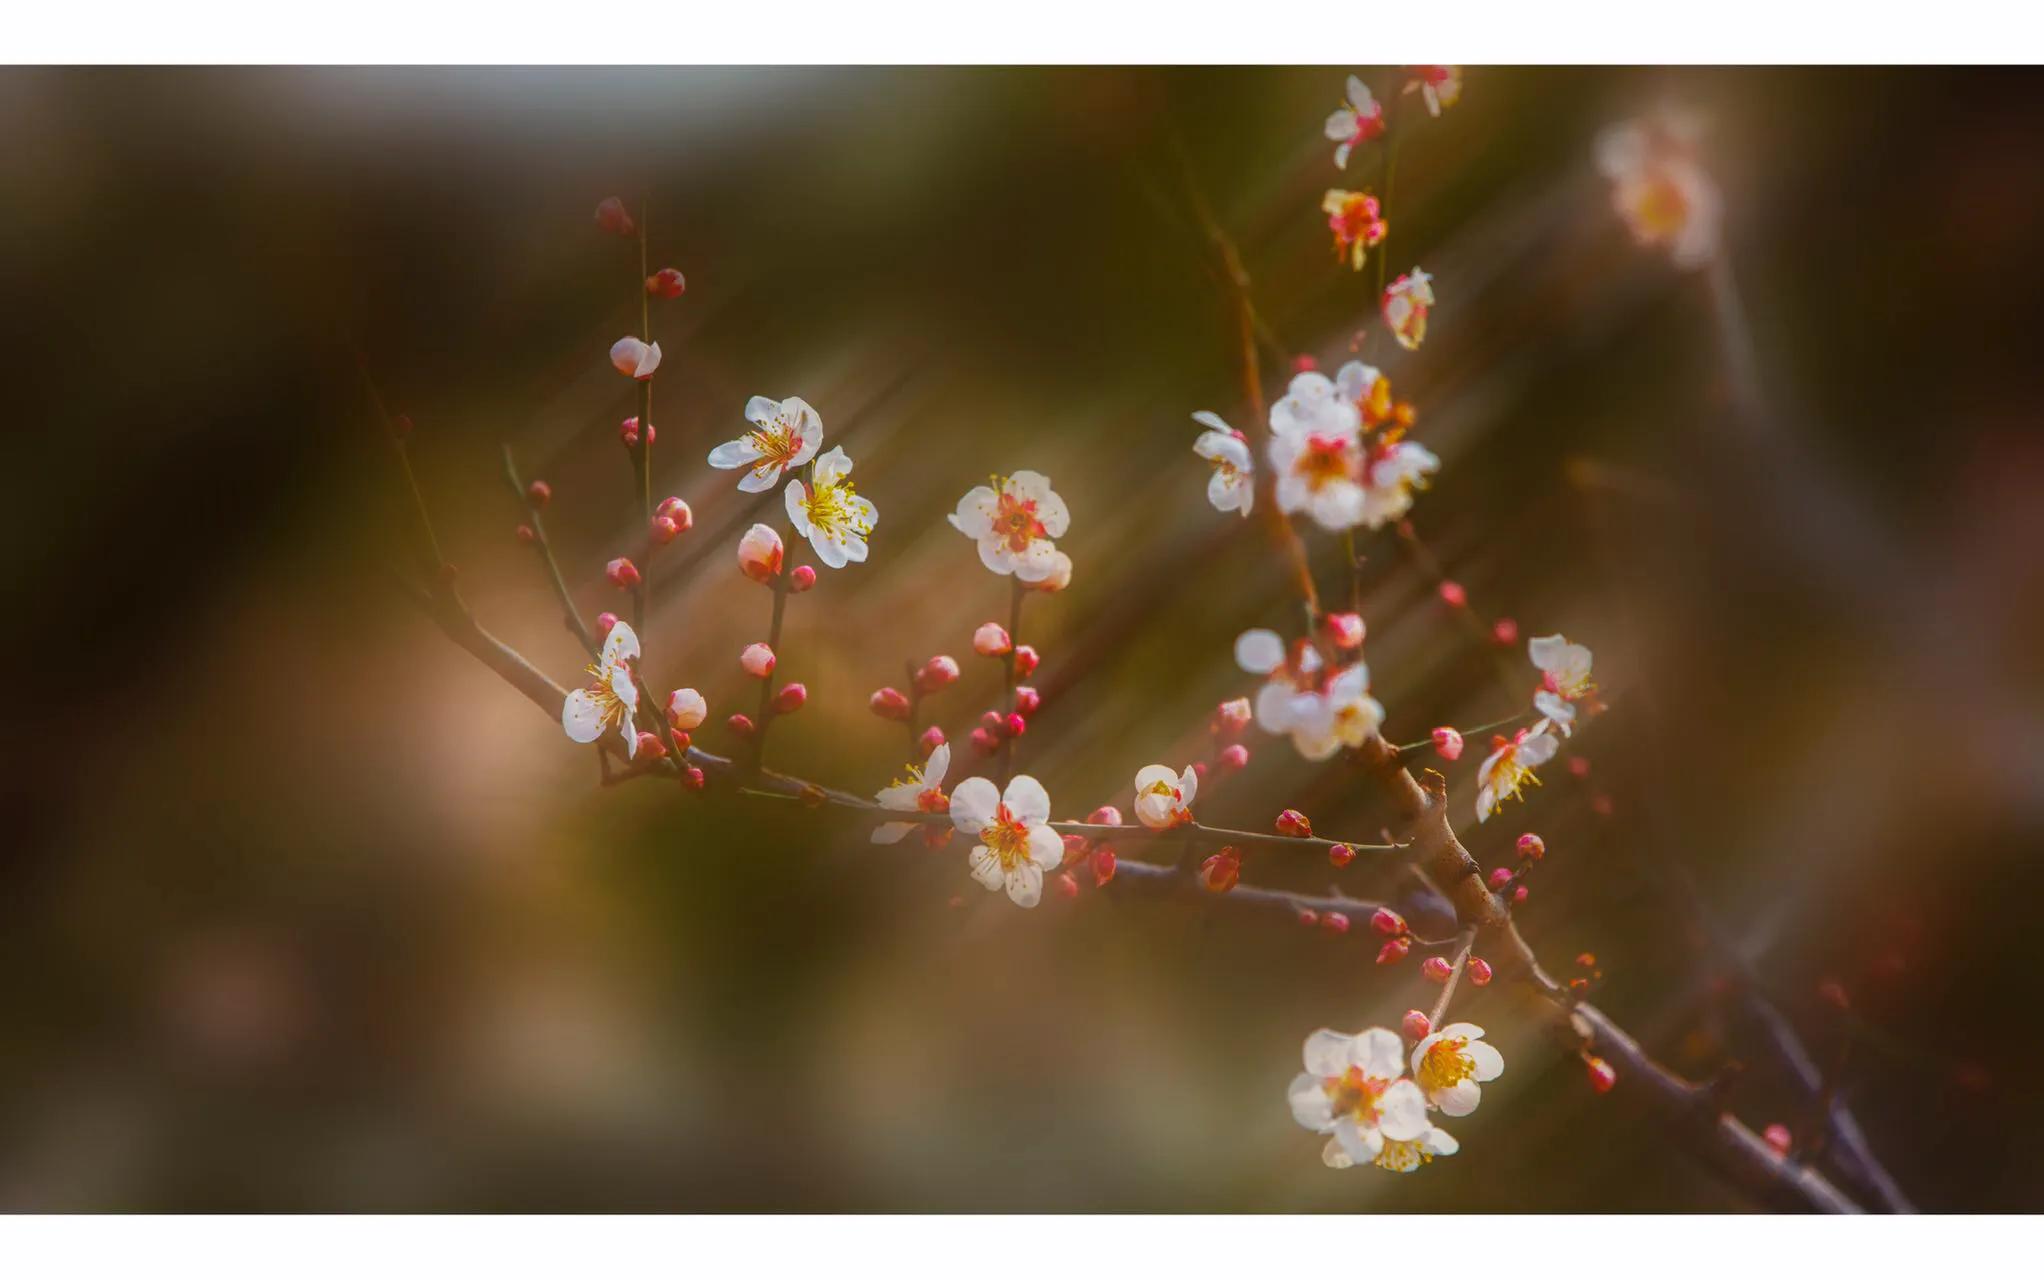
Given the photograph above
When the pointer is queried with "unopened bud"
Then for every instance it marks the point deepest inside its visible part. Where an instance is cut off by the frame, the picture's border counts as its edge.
(759, 553)
(526, 534)
(993, 722)
(1505, 631)
(991, 640)
(1453, 595)
(1102, 864)
(1076, 848)
(1447, 743)
(985, 743)
(1066, 886)
(663, 530)
(741, 724)
(1231, 717)
(935, 674)
(1027, 699)
(1340, 855)
(1779, 1137)
(1499, 878)
(888, 703)
(651, 746)
(1334, 922)
(693, 779)
(1532, 847)
(1416, 1025)
(1014, 726)
(1520, 894)
(790, 697)
(1435, 969)
(1025, 661)
(623, 574)
(686, 709)
(1388, 922)
(604, 622)
(1346, 630)
(1480, 972)
(803, 578)
(1579, 766)
(932, 738)
(1600, 804)
(1602, 1076)
(1220, 872)
(1393, 951)
(628, 433)
(1105, 816)
(1234, 757)
(757, 660)
(538, 494)
(1308, 917)
(1305, 363)
(666, 283)
(611, 217)
(1293, 823)
(678, 511)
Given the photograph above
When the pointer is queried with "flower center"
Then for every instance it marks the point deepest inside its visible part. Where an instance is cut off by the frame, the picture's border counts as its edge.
(830, 505)
(1015, 522)
(777, 444)
(1007, 838)
(1660, 207)
(1325, 458)
(1445, 1065)
(608, 705)
(1354, 1094)
(1402, 1156)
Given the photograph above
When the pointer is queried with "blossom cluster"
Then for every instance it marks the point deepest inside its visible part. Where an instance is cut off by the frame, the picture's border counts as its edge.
(1338, 452)
(1355, 1090)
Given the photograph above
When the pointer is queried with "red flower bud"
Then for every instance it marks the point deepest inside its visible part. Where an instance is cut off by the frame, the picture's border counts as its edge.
(1416, 1025)
(1305, 363)
(985, 743)
(1102, 863)
(991, 640)
(1014, 726)
(1447, 743)
(992, 721)
(1579, 766)
(1219, 872)
(1586, 959)
(1066, 886)
(935, 674)
(1340, 855)
(1532, 847)
(1234, 757)
(1025, 661)
(1500, 878)
(1293, 823)
(1346, 630)
(1779, 1137)
(611, 217)
(1334, 922)
(538, 494)
(740, 724)
(526, 534)
(693, 779)
(1600, 805)
(1393, 951)
(1602, 1077)
(686, 709)
(664, 530)
(1308, 917)
(1388, 922)
(623, 574)
(803, 578)
(678, 511)
(1435, 969)
(790, 697)
(1480, 972)
(628, 433)
(1027, 699)
(888, 703)
(1453, 595)
(666, 283)
(932, 738)
(760, 554)
(1105, 816)
(650, 745)
(1520, 894)
(604, 622)
(1231, 717)
(1505, 631)
(1076, 847)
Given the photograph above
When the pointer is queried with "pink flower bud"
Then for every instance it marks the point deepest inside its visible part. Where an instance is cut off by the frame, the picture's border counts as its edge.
(623, 574)
(686, 709)
(663, 531)
(538, 494)
(1345, 630)
(991, 640)
(1066, 886)
(935, 674)
(1388, 922)
(1234, 757)
(1220, 872)
(1600, 804)
(1532, 847)
(985, 743)
(651, 746)
(1393, 951)
(1520, 894)
(1027, 699)
(1076, 847)
(1579, 766)
(1014, 726)
(790, 697)
(1505, 631)
(1105, 816)
(1199, 770)
(740, 724)
(666, 283)
(1025, 661)
(678, 511)
(803, 578)
(1231, 717)
(1447, 743)
(693, 779)
(758, 660)
(932, 738)
(628, 433)
(635, 359)
(1340, 855)
(1308, 917)
(1102, 864)
(1602, 1077)
(526, 534)
(681, 740)
(1779, 1137)
(888, 703)
(1305, 363)
(1334, 922)
(992, 721)
(1500, 878)
(1479, 971)
(759, 553)
(1416, 1025)
(611, 217)
(1435, 969)
(1453, 595)
(1293, 823)
(604, 622)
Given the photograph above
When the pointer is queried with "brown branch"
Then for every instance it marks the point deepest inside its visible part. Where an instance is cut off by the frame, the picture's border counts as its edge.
(571, 617)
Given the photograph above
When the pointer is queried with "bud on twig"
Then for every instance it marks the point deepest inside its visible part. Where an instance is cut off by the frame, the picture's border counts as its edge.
(888, 703)
(1447, 743)
(803, 578)
(686, 709)
(991, 640)
(1220, 872)
(1340, 855)
(759, 553)
(1025, 661)
(612, 218)
(757, 660)
(666, 283)
(538, 494)
(623, 574)
(936, 674)
(1416, 1025)
(1453, 595)
(1105, 816)
(1293, 823)
(790, 697)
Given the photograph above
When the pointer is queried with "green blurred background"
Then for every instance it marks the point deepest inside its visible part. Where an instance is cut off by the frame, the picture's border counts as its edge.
(304, 909)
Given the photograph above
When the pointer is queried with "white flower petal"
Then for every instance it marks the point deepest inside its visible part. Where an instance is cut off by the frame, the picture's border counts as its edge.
(985, 867)
(1380, 1053)
(1489, 1063)
(733, 453)
(1329, 1052)
(1259, 651)
(1027, 800)
(1402, 1112)
(1046, 847)
(1310, 1104)
(889, 832)
(581, 719)
(937, 766)
(621, 645)
(973, 803)
(1460, 1098)
(975, 514)
(1025, 884)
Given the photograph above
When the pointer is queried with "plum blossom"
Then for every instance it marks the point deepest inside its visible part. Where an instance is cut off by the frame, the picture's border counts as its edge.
(1316, 453)
(1366, 387)
(1439, 87)
(1353, 1088)
(611, 699)
(1016, 845)
(1564, 679)
(1403, 1157)
(1509, 767)
(1659, 188)
(635, 359)
(1392, 471)
(785, 434)
(1322, 711)
(1233, 484)
(1451, 1064)
(1358, 224)
(1357, 121)
(1015, 521)
(1164, 798)
(830, 513)
(1406, 303)
(922, 792)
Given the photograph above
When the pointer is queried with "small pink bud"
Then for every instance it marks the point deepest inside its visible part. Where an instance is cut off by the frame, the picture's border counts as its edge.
(1014, 726)
(1435, 969)
(678, 511)
(611, 217)
(1602, 1076)
(1102, 863)
(992, 721)
(991, 640)
(1340, 855)
(1305, 363)
(803, 578)
(758, 660)
(1105, 816)
(1521, 893)
(1334, 922)
(1416, 1025)
(1586, 959)
(1220, 872)
(1076, 847)
(693, 779)
(681, 740)
(985, 743)
(1480, 972)
(932, 738)
(1393, 951)
(664, 531)
(1234, 757)
(1532, 847)
(1345, 630)
(1199, 770)
(1308, 917)
(651, 746)
(1027, 699)
(1025, 661)
(888, 703)
(1600, 804)
(1579, 766)
(1453, 595)
(604, 622)
(1231, 717)
(628, 433)
(740, 724)
(1500, 878)
(1779, 1137)
(1505, 631)
(526, 534)
(790, 697)
(623, 574)
(759, 553)
(686, 709)
(937, 673)
(1447, 743)
(666, 283)
(1388, 922)
(1293, 823)
(1066, 886)
(538, 494)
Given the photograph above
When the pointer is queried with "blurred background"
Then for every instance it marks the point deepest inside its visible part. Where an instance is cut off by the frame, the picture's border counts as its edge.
(304, 909)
